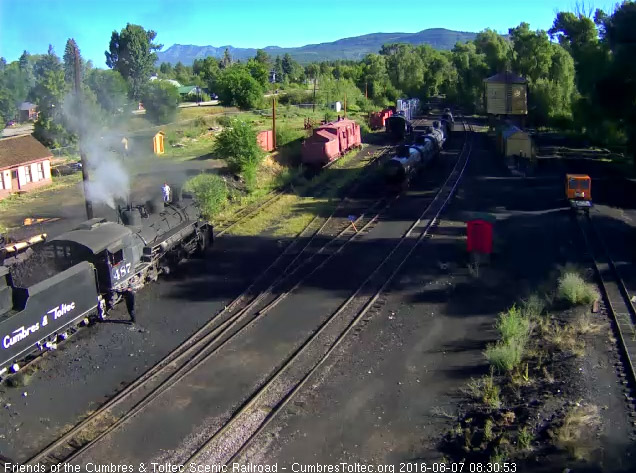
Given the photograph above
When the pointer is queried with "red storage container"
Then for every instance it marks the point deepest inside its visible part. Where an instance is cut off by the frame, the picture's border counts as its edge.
(479, 236)
(265, 140)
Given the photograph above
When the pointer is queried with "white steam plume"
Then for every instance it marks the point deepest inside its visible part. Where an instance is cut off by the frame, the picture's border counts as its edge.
(109, 179)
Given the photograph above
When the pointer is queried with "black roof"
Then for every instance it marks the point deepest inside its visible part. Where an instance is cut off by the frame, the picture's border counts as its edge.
(96, 235)
(506, 78)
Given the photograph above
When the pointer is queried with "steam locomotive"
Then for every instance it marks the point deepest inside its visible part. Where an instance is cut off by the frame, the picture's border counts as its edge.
(409, 159)
(83, 273)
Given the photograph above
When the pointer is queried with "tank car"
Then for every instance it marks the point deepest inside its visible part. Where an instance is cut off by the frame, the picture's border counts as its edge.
(409, 160)
(83, 273)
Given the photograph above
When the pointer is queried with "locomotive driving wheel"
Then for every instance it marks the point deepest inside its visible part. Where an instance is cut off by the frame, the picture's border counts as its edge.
(204, 242)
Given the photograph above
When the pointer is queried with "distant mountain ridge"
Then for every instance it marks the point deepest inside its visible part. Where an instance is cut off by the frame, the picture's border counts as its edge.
(347, 48)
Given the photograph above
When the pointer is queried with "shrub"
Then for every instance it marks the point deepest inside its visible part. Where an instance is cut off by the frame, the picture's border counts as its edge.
(285, 135)
(513, 326)
(224, 120)
(573, 289)
(296, 97)
(237, 145)
(533, 306)
(505, 356)
(210, 192)
(160, 100)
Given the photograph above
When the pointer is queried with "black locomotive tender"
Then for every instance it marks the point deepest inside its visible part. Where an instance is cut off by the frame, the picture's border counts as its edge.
(409, 159)
(83, 273)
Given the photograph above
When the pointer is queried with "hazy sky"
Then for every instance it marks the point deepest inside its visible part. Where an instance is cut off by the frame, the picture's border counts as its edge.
(33, 24)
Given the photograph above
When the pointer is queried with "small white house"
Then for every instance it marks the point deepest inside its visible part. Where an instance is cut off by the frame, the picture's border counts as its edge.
(337, 106)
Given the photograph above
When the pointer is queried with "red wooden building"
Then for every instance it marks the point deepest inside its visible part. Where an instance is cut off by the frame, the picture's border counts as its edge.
(25, 164)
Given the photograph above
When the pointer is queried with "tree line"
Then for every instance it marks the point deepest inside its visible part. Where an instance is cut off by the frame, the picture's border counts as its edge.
(580, 76)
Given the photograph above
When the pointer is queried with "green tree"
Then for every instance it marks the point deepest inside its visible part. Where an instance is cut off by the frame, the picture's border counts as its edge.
(236, 87)
(532, 52)
(278, 69)
(258, 71)
(208, 70)
(237, 145)
(110, 89)
(471, 70)
(166, 69)
(69, 61)
(496, 48)
(161, 101)
(226, 61)
(263, 58)
(8, 107)
(287, 64)
(48, 93)
(132, 53)
(616, 90)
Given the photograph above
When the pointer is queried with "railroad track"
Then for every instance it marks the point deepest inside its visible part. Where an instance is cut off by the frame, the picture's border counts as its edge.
(260, 297)
(251, 211)
(229, 442)
(320, 258)
(615, 299)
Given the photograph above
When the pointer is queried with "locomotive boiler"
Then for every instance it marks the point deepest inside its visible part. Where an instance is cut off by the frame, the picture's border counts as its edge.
(83, 273)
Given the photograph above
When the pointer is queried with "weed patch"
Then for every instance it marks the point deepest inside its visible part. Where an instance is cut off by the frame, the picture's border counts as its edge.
(573, 289)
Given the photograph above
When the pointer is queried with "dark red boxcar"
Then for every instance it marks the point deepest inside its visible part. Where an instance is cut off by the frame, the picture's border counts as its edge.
(330, 141)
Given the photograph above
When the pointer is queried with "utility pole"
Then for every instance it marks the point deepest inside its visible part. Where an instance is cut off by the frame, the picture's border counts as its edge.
(78, 102)
(345, 106)
(366, 95)
(314, 107)
(274, 121)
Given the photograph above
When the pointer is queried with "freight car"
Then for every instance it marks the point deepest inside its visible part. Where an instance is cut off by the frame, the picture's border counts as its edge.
(410, 159)
(377, 120)
(331, 141)
(83, 273)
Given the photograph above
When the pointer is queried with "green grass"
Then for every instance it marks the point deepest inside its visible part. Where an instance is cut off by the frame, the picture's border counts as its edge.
(573, 289)
(504, 356)
(513, 326)
(290, 214)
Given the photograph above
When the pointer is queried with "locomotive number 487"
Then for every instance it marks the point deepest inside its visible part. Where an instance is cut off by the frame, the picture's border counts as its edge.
(119, 273)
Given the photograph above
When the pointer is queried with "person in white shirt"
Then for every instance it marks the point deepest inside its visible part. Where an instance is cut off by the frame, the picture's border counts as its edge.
(166, 192)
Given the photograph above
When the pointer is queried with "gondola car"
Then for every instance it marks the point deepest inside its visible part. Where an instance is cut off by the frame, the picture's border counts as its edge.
(83, 273)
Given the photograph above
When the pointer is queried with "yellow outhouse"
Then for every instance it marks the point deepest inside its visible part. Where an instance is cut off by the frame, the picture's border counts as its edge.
(157, 142)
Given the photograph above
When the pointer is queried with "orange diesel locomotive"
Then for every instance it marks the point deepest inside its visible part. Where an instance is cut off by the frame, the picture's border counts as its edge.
(578, 191)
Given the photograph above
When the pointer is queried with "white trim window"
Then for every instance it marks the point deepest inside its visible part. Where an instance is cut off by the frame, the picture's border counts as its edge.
(27, 173)
(40, 171)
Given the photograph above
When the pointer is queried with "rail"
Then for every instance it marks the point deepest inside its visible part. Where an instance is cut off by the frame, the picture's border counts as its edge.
(256, 413)
(615, 297)
(207, 340)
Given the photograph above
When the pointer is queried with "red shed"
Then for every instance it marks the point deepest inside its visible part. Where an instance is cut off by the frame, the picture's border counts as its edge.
(479, 236)
(265, 140)
(330, 141)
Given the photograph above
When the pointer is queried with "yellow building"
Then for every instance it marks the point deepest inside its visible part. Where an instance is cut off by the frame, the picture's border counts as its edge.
(506, 94)
(512, 141)
(157, 142)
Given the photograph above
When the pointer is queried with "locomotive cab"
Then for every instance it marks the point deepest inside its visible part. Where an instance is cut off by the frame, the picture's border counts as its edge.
(578, 191)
